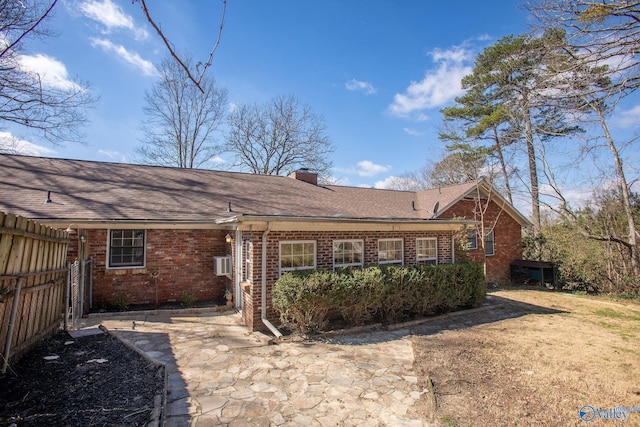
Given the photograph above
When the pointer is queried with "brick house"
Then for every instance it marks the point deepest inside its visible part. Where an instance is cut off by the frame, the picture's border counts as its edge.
(497, 239)
(158, 234)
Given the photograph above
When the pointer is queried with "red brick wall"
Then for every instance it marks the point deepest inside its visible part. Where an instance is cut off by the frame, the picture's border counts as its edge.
(183, 260)
(507, 238)
(324, 260)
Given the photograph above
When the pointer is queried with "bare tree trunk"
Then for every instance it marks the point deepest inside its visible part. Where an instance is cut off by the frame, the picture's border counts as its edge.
(624, 189)
(533, 173)
(503, 165)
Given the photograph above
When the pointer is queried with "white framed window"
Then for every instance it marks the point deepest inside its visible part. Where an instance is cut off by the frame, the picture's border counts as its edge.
(427, 249)
(348, 253)
(472, 238)
(297, 255)
(126, 248)
(247, 259)
(390, 251)
(489, 246)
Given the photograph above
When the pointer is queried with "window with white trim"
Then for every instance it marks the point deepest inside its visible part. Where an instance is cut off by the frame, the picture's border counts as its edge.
(297, 255)
(126, 248)
(348, 253)
(427, 249)
(489, 246)
(472, 238)
(247, 259)
(390, 251)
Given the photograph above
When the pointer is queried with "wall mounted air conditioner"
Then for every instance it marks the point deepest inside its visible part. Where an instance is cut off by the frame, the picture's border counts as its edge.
(222, 265)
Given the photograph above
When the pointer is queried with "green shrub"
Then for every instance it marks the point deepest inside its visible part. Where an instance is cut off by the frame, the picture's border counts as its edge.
(377, 293)
(357, 294)
(187, 299)
(120, 302)
(304, 300)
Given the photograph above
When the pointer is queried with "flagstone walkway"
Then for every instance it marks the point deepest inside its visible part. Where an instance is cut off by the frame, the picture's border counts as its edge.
(219, 374)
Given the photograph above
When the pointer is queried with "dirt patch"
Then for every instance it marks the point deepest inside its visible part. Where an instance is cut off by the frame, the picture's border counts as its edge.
(537, 360)
(94, 381)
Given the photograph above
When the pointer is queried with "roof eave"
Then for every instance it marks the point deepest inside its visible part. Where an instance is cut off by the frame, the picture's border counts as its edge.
(504, 203)
(305, 223)
(75, 223)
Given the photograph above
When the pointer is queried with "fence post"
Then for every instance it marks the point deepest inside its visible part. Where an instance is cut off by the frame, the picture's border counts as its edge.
(67, 297)
(81, 290)
(90, 263)
(12, 322)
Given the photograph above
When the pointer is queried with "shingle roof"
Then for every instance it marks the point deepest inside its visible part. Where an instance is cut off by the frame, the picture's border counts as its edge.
(437, 200)
(111, 191)
(99, 191)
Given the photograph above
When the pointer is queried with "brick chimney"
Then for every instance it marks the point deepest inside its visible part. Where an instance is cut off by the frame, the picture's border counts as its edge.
(303, 174)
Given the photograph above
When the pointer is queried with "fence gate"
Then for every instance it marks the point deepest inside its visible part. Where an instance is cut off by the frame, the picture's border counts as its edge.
(79, 296)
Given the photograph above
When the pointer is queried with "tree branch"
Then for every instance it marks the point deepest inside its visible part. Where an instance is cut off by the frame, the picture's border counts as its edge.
(30, 29)
(215, 46)
(175, 56)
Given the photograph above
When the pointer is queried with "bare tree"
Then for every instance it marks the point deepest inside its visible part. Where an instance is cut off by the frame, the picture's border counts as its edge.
(601, 39)
(590, 95)
(602, 32)
(278, 137)
(462, 164)
(10, 144)
(409, 181)
(26, 99)
(181, 121)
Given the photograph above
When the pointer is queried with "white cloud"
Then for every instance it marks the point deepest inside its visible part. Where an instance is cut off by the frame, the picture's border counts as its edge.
(358, 85)
(132, 58)
(457, 54)
(627, 119)
(11, 144)
(52, 72)
(368, 168)
(385, 183)
(413, 132)
(112, 154)
(112, 17)
(439, 85)
(364, 168)
(217, 160)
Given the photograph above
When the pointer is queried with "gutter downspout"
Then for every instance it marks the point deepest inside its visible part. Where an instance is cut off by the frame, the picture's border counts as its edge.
(263, 295)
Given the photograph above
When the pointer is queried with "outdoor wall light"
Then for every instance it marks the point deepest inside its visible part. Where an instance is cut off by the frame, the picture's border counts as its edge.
(228, 238)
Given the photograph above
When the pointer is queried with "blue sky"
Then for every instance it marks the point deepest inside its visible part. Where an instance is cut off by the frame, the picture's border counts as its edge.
(377, 71)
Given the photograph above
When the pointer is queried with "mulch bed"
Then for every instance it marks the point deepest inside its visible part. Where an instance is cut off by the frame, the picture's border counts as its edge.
(95, 381)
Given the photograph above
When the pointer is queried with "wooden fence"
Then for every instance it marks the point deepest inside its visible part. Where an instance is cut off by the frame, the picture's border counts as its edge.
(32, 283)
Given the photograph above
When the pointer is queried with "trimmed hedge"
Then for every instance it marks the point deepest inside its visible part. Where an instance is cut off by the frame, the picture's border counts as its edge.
(375, 294)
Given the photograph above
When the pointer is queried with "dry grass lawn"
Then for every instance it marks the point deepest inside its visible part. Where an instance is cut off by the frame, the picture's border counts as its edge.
(535, 360)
